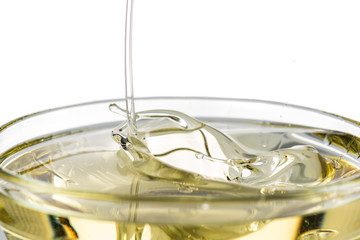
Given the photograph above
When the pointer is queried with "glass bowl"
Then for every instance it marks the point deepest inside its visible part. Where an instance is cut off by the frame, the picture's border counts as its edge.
(40, 200)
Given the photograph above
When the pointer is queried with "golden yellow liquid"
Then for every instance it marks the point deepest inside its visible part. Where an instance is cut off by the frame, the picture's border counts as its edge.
(338, 223)
(91, 161)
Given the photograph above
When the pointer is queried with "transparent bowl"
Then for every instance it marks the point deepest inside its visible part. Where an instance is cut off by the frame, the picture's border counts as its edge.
(25, 201)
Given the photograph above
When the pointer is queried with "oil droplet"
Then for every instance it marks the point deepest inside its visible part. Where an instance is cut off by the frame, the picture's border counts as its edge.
(318, 234)
(199, 156)
(336, 163)
(267, 190)
(185, 188)
(265, 141)
(205, 206)
(254, 226)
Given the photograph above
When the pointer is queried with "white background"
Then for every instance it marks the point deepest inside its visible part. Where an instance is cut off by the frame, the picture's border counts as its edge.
(55, 53)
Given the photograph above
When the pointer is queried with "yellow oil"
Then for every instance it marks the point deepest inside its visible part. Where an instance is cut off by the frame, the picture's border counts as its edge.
(92, 162)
